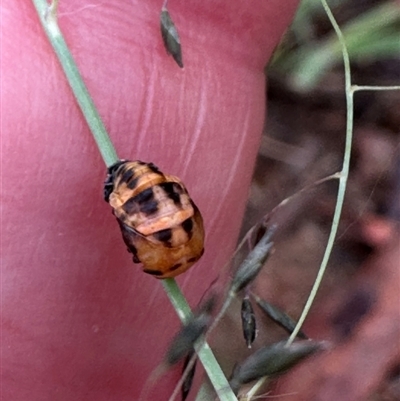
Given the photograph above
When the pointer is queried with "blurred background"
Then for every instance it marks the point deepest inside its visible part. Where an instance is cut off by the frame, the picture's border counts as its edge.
(358, 305)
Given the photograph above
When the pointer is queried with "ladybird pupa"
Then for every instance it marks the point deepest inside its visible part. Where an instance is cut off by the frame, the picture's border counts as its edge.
(160, 224)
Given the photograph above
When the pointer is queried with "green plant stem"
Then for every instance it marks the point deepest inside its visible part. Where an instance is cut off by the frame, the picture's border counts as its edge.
(207, 358)
(343, 175)
(48, 18)
(356, 88)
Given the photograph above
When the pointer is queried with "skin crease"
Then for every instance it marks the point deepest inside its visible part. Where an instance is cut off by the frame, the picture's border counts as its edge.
(80, 321)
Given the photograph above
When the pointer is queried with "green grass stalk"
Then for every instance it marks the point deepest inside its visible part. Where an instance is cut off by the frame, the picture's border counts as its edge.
(48, 17)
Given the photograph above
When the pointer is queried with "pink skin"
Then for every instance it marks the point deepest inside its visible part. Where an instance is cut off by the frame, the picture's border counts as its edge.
(80, 321)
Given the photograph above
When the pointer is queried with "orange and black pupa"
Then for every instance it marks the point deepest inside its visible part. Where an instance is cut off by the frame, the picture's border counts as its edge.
(160, 224)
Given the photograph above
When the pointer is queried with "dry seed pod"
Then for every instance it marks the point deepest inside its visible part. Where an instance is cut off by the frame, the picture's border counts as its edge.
(160, 224)
(258, 232)
(182, 346)
(187, 383)
(279, 317)
(185, 339)
(248, 321)
(170, 37)
(253, 263)
(273, 360)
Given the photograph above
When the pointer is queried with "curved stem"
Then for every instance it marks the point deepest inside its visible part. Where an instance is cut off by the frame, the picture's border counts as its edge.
(343, 176)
